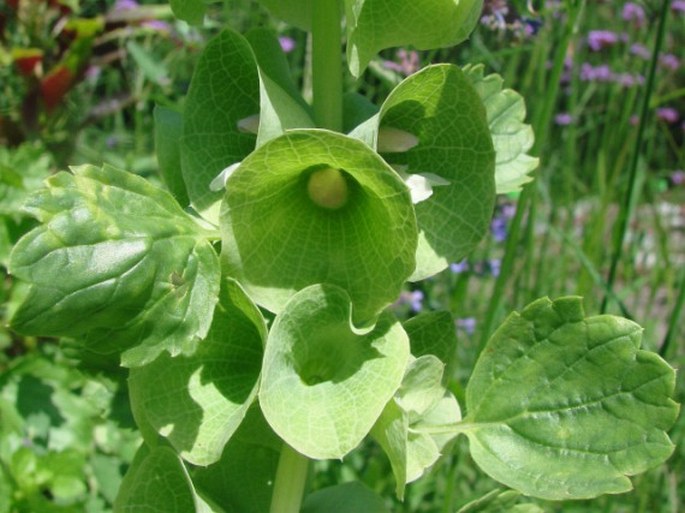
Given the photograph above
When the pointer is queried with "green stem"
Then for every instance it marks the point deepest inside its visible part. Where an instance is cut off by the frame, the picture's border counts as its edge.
(630, 197)
(327, 63)
(291, 476)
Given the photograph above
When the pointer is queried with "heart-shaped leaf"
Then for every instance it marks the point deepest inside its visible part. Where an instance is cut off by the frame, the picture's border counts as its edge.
(511, 137)
(198, 401)
(116, 263)
(324, 383)
(566, 407)
(224, 90)
(281, 232)
(168, 133)
(373, 25)
(192, 11)
(434, 333)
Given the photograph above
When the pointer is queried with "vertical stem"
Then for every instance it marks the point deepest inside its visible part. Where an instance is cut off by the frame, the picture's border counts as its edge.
(629, 199)
(327, 63)
(291, 476)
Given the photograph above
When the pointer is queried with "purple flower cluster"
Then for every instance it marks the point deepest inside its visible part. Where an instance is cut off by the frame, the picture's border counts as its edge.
(678, 6)
(408, 64)
(466, 324)
(633, 12)
(602, 73)
(563, 119)
(667, 115)
(598, 40)
(287, 44)
(413, 299)
(491, 267)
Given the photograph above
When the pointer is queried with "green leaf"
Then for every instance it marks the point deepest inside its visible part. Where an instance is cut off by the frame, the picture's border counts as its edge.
(434, 333)
(242, 480)
(373, 25)
(224, 90)
(324, 383)
(295, 12)
(277, 240)
(352, 497)
(156, 481)
(440, 107)
(152, 68)
(198, 401)
(512, 138)
(500, 501)
(282, 105)
(192, 11)
(405, 428)
(117, 263)
(168, 133)
(566, 407)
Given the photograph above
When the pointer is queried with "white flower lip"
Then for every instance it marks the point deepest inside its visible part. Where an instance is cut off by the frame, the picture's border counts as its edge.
(219, 182)
(420, 184)
(394, 140)
(249, 125)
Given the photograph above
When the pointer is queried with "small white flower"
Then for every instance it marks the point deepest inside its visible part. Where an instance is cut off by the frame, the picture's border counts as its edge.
(394, 140)
(219, 182)
(249, 125)
(420, 184)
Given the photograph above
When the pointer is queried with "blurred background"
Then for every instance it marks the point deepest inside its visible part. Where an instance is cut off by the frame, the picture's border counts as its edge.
(604, 87)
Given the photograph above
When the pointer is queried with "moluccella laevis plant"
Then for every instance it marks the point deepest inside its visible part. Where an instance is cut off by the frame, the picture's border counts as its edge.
(249, 299)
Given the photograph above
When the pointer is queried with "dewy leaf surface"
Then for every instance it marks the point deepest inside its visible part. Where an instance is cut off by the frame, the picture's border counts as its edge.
(224, 90)
(198, 401)
(116, 263)
(276, 240)
(373, 25)
(511, 137)
(561, 406)
(440, 107)
(323, 383)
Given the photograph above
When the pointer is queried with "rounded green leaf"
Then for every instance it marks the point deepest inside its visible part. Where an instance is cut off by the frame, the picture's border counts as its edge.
(512, 138)
(224, 90)
(373, 25)
(440, 107)
(566, 407)
(323, 383)
(198, 401)
(278, 237)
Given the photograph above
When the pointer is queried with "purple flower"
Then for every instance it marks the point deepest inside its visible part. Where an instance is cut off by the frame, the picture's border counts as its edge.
(408, 62)
(678, 177)
(589, 73)
(467, 324)
(669, 61)
(633, 12)
(459, 267)
(494, 266)
(599, 39)
(125, 5)
(678, 6)
(157, 25)
(629, 80)
(641, 51)
(667, 114)
(414, 299)
(563, 119)
(287, 43)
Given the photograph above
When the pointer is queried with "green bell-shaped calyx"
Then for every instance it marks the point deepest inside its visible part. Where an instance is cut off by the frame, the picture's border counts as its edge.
(314, 206)
(324, 383)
